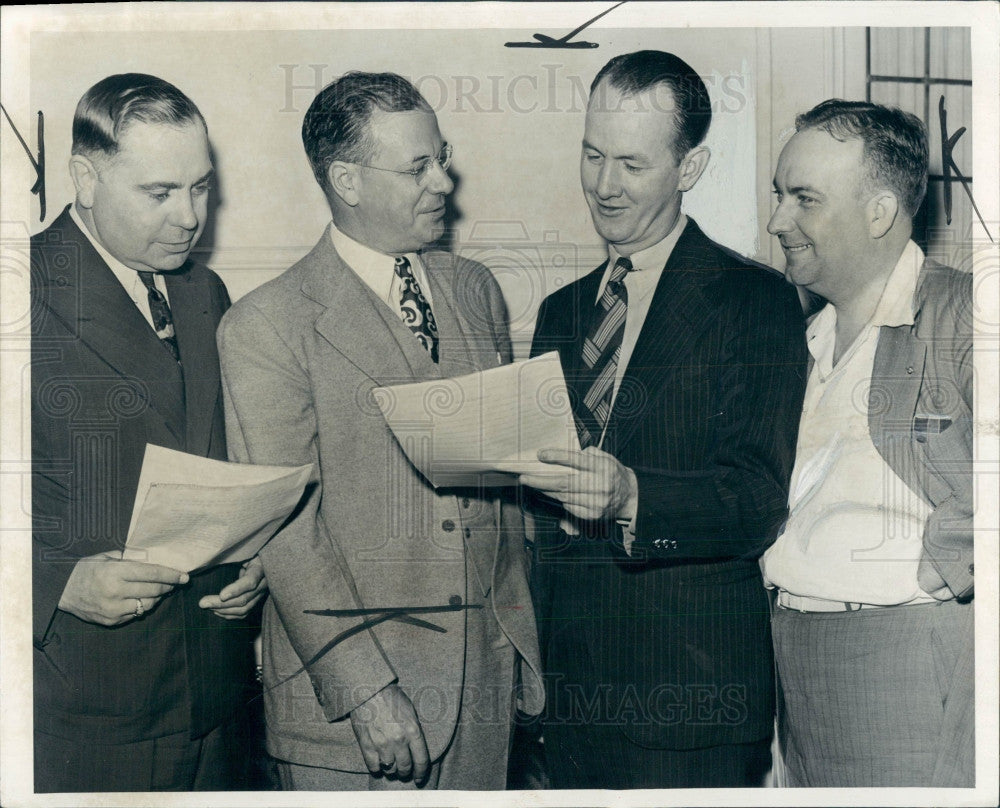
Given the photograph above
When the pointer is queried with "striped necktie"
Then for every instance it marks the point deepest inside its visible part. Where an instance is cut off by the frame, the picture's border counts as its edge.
(602, 349)
(415, 309)
(163, 320)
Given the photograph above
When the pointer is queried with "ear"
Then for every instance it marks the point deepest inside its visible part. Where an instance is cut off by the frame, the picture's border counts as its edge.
(692, 167)
(882, 210)
(84, 174)
(344, 180)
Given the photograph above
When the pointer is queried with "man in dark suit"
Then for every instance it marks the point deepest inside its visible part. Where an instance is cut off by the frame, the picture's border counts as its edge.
(138, 668)
(685, 366)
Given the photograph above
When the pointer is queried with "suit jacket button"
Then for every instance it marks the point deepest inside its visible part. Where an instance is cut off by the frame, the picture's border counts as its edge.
(673, 544)
(455, 600)
(467, 533)
(447, 526)
(972, 569)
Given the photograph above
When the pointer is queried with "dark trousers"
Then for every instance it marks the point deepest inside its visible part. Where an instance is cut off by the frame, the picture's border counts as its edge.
(585, 746)
(170, 763)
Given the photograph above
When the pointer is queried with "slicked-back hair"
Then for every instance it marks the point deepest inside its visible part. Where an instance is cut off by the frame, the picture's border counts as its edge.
(633, 73)
(108, 108)
(895, 144)
(336, 125)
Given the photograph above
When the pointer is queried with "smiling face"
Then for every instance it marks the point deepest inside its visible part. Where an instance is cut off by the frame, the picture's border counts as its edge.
(822, 219)
(148, 203)
(395, 215)
(630, 175)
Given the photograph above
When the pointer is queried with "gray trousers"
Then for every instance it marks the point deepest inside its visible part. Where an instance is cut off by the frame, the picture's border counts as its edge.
(476, 758)
(877, 697)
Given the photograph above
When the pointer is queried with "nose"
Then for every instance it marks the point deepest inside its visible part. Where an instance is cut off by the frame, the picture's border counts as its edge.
(608, 184)
(780, 222)
(185, 213)
(438, 181)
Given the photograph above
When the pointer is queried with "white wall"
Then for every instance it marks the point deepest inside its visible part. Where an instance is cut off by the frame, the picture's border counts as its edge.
(515, 117)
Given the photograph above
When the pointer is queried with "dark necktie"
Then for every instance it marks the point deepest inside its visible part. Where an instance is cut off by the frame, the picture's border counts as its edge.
(163, 321)
(416, 310)
(602, 350)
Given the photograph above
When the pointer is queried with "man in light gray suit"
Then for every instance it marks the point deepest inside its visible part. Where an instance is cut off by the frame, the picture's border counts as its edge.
(397, 704)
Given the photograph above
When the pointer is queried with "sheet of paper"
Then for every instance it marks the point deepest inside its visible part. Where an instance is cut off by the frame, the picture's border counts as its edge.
(192, 512)
(484, 428)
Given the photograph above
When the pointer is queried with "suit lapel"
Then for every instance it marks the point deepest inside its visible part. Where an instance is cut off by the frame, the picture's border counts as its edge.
(889, 426)
(578, 376)
(678, 315)
(458, 353)
(95, 306)
(360, 326)
(194, 323)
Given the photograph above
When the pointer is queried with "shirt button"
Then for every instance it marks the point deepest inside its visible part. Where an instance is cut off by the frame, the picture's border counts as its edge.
(447, 526)
(910, 369)
(465, 502)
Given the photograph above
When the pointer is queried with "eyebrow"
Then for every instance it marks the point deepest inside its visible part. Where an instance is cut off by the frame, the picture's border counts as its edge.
(421, 158)
(170, 186)
(798, 189)
(636, 158)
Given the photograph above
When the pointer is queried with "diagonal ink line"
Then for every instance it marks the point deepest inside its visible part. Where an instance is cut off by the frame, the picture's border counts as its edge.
(374, 618)
(416, 621)
(20, 139)
(564, 41)
(591, 21)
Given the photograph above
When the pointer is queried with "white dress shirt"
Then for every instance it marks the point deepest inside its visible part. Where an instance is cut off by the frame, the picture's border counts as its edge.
(378, 270)
(855, 529)
(127, 277)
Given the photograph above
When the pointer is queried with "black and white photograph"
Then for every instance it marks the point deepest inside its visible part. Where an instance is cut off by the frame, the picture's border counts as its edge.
(501, 403)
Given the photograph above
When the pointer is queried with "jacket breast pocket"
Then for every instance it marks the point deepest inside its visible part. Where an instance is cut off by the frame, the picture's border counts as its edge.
(946, 446)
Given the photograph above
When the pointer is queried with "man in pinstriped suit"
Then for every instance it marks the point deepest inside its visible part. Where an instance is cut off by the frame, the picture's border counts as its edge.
(686, 366)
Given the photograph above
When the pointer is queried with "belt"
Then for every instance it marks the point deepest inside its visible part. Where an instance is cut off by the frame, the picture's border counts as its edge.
(786, 600)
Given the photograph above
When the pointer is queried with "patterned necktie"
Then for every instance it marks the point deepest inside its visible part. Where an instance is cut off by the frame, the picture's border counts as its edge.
(602, 349)
(163, 321)
(416, 310)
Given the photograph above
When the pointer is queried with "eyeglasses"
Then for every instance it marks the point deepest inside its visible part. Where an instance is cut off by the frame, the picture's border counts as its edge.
(421, 172)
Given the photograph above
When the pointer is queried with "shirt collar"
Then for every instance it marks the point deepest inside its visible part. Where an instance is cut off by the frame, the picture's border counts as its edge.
(376, 269)
(895, 306)
(654, 257)
(124, 273)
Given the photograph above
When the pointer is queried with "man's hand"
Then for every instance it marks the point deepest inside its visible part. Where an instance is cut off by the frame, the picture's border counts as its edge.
(594, 486)
(390, 737)
(237, 600)
(104, 589)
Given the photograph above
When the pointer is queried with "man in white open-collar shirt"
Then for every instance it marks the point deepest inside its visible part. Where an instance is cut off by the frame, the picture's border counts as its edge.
(873, 629)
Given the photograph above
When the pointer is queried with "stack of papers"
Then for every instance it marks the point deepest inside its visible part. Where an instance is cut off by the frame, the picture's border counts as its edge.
(225, 518)
(484, 428)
